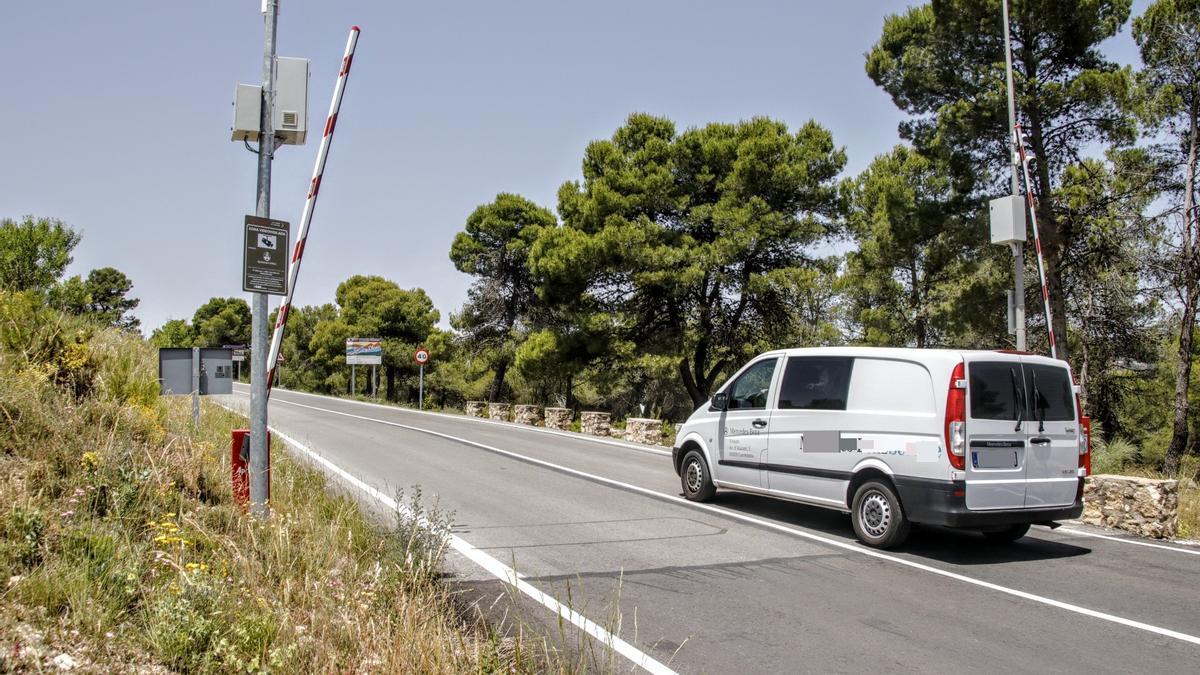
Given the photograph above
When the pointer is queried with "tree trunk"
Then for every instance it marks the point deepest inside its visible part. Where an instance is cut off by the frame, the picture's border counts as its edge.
(497, 387)
(1187, 324)
(1183, 374)
(919, 318)
(391, 383)
(1052, 244)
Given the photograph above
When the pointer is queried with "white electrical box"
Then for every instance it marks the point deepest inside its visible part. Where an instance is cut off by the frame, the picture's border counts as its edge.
(291, 104)
(1008, 220)
(247, 104)
(291, 100)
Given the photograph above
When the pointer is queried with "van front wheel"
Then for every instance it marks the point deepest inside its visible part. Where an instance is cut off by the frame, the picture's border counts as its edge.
(697, 483)
(877, 516)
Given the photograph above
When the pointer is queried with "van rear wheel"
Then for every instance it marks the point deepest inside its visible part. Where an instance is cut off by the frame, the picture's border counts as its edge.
(694, 476)
(1010, 533)
(877, 516)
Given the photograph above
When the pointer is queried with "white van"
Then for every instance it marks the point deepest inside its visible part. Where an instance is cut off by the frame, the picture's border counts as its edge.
(985, 440)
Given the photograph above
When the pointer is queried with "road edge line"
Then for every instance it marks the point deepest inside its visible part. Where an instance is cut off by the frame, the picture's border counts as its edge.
(497, 569)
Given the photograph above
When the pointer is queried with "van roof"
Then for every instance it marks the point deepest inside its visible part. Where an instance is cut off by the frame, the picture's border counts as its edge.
(914, 354)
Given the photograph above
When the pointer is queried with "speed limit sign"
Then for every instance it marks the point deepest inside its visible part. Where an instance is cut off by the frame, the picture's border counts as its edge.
(421, 356)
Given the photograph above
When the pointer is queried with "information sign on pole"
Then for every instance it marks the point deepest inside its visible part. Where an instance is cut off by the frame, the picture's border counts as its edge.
(265, 256)
(364, 351)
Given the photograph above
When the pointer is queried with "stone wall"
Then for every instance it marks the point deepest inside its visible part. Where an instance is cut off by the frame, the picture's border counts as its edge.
(559, 418)
(527, 414)
(475, 408)
(499, 411)
(644, 430)
(1143, 506)
(594, 423)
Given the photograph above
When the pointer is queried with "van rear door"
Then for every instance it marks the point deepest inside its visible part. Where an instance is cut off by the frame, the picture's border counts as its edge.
(996, 432)
(1052, 454)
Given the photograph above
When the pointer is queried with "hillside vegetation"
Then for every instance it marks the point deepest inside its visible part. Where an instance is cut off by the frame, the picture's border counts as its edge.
(123, 550)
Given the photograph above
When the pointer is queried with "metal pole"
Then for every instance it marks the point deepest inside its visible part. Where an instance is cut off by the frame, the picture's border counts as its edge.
(374, 384)
(314, 189)
(353, 389)
(421, 390)
(1018, 249)
(195, 386)
(260, 462)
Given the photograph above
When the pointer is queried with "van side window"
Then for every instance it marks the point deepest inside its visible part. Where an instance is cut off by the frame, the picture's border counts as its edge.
(1049, 392)
(815, 383)
(749, 392)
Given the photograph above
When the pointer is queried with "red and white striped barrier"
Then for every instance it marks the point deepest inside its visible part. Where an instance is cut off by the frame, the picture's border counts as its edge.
(1037, 241)
(309, 204)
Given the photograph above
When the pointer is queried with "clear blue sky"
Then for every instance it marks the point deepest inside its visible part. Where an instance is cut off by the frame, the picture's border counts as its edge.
(116, 118)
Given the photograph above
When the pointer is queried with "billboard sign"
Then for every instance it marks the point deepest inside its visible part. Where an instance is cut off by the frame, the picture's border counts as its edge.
(364, 351)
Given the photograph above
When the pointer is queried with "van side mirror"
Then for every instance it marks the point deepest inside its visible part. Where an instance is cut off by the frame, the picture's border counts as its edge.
(720, 401)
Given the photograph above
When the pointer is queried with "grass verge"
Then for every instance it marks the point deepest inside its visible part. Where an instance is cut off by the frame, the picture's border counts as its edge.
(124, 551)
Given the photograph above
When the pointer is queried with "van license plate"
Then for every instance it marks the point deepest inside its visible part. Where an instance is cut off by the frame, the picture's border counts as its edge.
(994, 458)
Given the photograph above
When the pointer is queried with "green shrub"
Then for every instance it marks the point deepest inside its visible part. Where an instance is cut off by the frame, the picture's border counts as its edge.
(22, 530)
(1113, 456)
(181, 624)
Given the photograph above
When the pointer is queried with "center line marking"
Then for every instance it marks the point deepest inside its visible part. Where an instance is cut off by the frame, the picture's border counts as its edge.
(1103, 616)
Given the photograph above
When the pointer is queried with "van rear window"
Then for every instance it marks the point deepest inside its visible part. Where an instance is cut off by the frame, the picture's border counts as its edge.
(1045, 391)
(1051, 397)
(994, 387)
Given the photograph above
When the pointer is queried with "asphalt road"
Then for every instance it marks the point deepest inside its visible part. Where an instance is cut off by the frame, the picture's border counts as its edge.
(750, 584)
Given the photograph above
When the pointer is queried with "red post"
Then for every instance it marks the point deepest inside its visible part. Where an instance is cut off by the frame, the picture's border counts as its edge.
(1086, 423)
(239, 456)
(239, 459)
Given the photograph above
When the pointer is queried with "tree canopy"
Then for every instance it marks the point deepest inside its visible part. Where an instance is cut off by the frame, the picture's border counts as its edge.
(34, 253)
(685, 243)
(943, 63)
(494, 248)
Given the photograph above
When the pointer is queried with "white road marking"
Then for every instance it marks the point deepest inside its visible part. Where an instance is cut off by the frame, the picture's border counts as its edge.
(479, 420)
(1123, 540)
(856, 548)
(497, 569)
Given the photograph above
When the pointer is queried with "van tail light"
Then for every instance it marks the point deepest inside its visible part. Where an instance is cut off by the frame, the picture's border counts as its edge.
(956, 418)
(1085, 439)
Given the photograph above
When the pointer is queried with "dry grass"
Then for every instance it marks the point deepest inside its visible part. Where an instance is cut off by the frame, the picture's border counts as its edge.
(123, 548)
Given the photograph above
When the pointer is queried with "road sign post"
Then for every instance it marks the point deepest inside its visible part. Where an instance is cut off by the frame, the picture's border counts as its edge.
(195, 386)
(364, 352)
(421, 356)
(260, 461)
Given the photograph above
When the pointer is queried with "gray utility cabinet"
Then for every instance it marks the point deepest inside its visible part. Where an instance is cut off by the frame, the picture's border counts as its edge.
(176, 370)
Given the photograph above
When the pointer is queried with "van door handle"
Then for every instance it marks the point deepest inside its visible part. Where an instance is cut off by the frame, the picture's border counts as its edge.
(1039, 440)
(759, 424)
